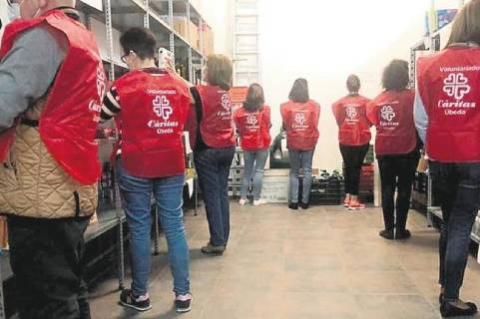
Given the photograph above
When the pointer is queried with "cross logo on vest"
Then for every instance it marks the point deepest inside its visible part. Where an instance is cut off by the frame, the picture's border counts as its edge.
(456, 85)
(300, 119)
(351, 112)
(252, 119)
(95, 105)
(162, 107)
(226, 102)
(387, 113)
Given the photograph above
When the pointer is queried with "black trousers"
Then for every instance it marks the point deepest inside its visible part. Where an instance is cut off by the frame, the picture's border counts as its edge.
(353, 157)
(458, 188)
(397, 173)
(47, 261)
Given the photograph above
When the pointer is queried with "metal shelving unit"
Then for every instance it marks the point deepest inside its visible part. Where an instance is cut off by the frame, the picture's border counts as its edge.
(246, 43)
(158, 16)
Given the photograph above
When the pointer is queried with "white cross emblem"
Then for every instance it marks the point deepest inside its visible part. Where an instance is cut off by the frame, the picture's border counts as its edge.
(351, 112)
(226, 102)
(456, 85)
(387, 113)
(300, 118)
(101, 82)
(252, 119)
(162, 107)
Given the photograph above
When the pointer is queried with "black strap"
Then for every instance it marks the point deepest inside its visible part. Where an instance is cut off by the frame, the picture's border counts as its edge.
(77, 203)
(72, 14)
(31, 123)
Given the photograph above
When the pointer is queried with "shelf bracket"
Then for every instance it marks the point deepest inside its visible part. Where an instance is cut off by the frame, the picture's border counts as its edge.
(146, 17)
(109, 27)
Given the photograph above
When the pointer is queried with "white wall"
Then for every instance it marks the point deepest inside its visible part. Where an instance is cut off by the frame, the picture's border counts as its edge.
(325, 41)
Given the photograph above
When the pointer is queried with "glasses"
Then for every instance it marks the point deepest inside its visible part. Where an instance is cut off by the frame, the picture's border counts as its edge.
(124, 57)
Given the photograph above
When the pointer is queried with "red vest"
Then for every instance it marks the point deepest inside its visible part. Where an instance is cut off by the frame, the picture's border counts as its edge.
(254, 128)
(351, 115)
(392, 114)
(154, 111)
(448, 83)
(69, 118)
(301, 123)
(216, 126)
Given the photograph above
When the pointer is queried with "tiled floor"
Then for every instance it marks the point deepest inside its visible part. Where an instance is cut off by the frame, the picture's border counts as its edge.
(323, 263)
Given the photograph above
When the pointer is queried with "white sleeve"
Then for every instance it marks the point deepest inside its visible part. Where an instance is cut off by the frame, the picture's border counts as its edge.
(420, 116)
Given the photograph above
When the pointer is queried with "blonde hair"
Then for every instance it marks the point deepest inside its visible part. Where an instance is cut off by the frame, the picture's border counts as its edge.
(466, 26)
(219, 71)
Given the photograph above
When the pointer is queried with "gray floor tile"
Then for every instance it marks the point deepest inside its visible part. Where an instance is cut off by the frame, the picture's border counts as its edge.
(323, 263)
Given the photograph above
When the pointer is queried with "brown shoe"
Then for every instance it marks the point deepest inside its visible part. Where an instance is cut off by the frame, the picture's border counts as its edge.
(209, 249)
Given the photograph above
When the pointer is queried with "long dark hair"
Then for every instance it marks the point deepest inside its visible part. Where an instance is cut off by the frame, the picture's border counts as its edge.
(395, 76)
(255, 98)
(466, 26)
(299, 91)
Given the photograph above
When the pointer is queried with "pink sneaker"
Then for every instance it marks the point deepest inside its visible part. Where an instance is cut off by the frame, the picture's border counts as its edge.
(355, 205)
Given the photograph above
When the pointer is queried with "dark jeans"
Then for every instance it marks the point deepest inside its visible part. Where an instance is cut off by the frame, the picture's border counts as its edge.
(353, 157)
(47, 260)
(458, 187)
(397, 173)
(213, 169)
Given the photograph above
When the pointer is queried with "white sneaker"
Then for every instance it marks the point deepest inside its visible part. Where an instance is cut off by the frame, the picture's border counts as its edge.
(242, 202)
(259, 202)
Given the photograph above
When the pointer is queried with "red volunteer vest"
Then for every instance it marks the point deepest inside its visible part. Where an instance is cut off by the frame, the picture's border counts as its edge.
(69, 119)
(392, 114)
(155, 107)
(301, 123)
(216, 126)
(448, 84)
(351, 115)
(254, 128)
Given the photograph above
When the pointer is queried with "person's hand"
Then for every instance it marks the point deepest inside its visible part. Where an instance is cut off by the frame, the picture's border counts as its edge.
(170, 65)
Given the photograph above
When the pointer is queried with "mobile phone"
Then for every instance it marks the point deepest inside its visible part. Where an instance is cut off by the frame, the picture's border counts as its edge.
(165, 58)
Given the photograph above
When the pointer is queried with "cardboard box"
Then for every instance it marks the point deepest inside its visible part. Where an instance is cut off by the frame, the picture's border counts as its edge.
(208, 40)
(186, 29)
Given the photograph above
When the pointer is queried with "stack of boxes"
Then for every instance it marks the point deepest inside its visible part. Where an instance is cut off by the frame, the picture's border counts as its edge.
(187, 29)
(194, 34)
(208, 40)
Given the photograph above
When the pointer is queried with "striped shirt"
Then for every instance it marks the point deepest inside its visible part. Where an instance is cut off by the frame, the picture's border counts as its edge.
(111, 105)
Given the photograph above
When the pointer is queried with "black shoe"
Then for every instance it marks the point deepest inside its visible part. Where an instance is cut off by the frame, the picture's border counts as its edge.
(183, 304)
(387, 234)
(209, 249)
(403, 234)
(293, 206)
(127, 299)
(448, 310)
(304, 206)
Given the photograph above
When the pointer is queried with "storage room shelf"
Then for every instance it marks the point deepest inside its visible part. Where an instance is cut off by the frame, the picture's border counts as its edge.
(106, 221)
(130, 13)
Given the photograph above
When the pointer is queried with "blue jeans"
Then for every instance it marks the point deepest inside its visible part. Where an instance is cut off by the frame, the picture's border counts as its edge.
(254, 169)
(298, 160)
(213, 169)
(136, 196)
(458, 188)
